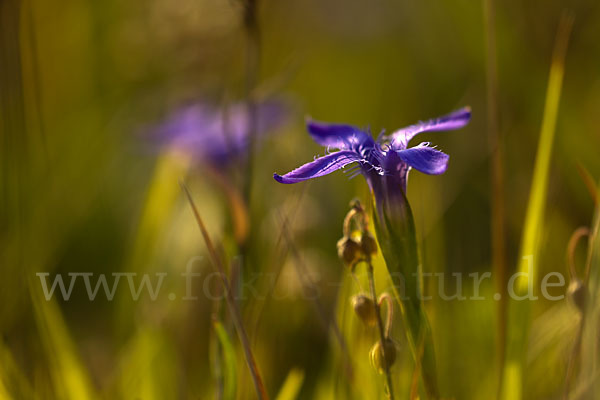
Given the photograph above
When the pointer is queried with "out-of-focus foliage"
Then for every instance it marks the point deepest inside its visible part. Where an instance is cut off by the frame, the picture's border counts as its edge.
(84, 190)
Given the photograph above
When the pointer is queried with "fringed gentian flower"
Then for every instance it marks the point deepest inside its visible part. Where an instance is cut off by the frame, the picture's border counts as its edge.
(385, 163)
(217, 135)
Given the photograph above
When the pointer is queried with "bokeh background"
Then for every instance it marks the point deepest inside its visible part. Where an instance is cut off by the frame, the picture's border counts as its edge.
(85, 188)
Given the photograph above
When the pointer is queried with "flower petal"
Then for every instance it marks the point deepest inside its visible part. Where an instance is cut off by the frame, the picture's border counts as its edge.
(338, 136)
(425, 159)
(454, 120)
(217, 135)
(321, 166)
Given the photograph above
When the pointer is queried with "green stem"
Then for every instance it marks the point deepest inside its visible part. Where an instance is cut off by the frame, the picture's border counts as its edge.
(382, 335)
(397, 240)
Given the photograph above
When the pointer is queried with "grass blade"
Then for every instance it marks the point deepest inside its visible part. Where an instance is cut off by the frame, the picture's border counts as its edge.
(292, 385)
(13, 382)
(233, 310)
(229, 371)
(69, 376)
(511, 386)
(147, 367)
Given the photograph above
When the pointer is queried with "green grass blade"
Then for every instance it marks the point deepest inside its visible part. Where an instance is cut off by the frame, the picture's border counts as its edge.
(13, 382)
(69, 375)
(229, 362)
(518, 319)
(148, 367)
(292, 385)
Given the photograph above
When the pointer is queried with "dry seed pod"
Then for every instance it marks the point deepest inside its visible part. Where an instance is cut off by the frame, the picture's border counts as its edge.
(378, 360)
(577, 293)
(368, 243)
(349, 251)
(365, 309)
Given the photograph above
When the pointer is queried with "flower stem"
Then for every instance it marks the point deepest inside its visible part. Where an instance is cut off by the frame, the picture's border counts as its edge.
(261, 392)
(382, 335)
(495, 142)
(253, 53)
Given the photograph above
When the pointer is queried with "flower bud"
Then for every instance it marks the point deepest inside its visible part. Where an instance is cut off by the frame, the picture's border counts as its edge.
(368, 243)
(364, 309)
(349, 251)
(379, 361)
(577, 293)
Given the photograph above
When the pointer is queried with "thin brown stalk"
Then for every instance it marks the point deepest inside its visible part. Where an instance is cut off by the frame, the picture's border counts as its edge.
(382, 335)
(308, 285)
(253, 52)
(589, 182)
(575, 352)
(497, 177)
(36, 78)
(275, 266)
(581, 232)
(217, 264)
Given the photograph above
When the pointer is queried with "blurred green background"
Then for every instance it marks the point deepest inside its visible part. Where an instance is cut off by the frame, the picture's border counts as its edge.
(83, 189)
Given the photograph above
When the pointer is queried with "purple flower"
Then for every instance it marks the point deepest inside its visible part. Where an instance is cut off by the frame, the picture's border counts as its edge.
(384, 162)
(217, 135)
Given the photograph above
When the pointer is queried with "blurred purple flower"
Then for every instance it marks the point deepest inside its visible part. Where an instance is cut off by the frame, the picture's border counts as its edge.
(217, 135)
(385, 163)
